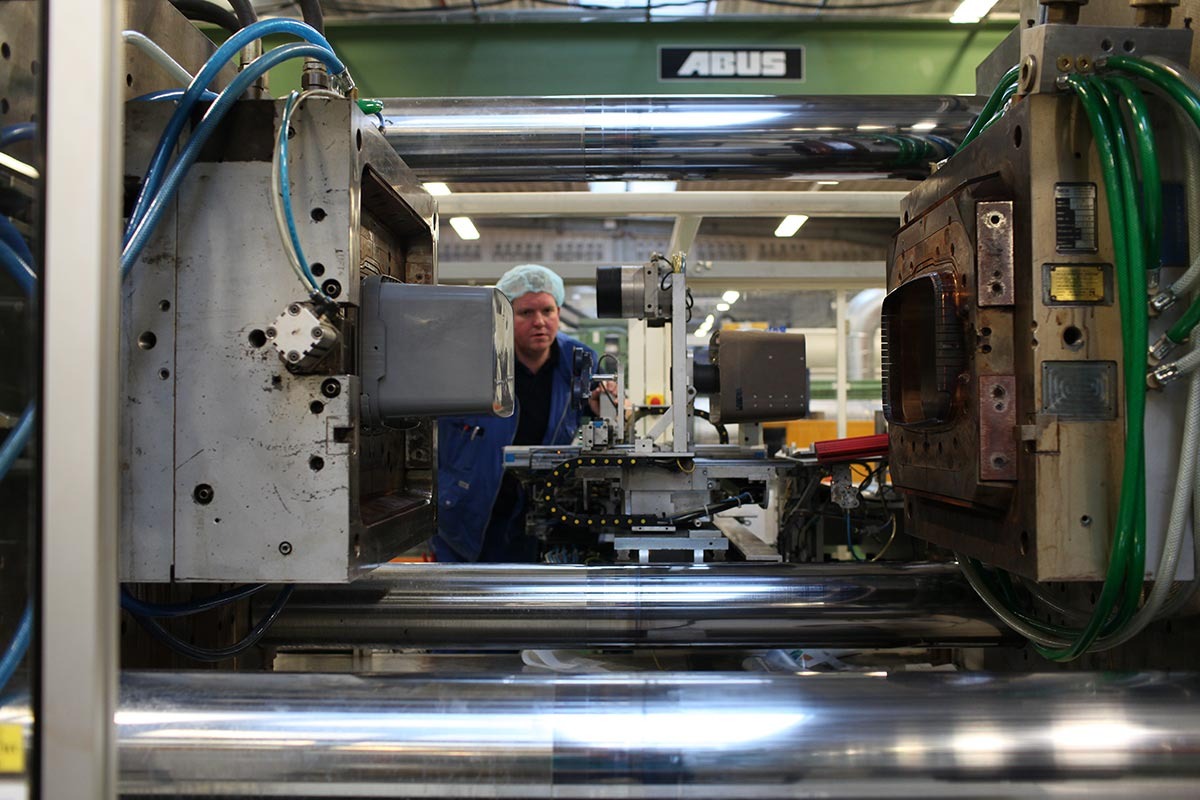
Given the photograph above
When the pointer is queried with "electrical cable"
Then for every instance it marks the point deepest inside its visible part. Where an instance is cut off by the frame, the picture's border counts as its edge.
(219, 654)
(159, 56)
(204, 11)
(892, 538)
(850, 539)
(709, 509)
(228, 51)
(154, 210)
(172, 610)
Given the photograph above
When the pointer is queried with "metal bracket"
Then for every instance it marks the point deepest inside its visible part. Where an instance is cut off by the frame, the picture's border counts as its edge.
(997, 428)
(994, 253)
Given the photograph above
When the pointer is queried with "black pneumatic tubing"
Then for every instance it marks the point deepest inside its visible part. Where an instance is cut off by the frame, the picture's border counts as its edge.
(244, 11)
(311, 10)
(204, 11)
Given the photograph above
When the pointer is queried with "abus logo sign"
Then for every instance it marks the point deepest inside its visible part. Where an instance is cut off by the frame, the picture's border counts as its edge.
(711, 63)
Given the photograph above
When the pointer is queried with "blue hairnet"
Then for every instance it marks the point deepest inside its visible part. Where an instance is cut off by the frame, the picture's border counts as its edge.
(531, 279)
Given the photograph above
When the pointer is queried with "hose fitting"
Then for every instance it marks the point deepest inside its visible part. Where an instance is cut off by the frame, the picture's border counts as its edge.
(1162, 301)
(1163, 374)
(1160, 349)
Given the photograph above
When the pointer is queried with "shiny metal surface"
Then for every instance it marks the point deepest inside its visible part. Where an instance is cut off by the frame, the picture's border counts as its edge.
(504, 607)
(718, 735)
(665, 137)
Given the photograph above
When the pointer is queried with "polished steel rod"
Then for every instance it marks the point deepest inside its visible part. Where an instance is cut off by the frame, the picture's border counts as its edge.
(677, 138)
(497, 606)
(712, 735)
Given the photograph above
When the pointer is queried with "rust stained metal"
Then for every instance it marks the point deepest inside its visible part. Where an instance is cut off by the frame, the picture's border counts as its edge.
(994, 254)
(997, 428)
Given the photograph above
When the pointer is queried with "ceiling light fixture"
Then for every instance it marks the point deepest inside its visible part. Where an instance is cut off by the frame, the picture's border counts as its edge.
(436, 189)
(465, 229)
(731, 296)
(972, 11)
(607, 187)
(790, 224)
(722, 306)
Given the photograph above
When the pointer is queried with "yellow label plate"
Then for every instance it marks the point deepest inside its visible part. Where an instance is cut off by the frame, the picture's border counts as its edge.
(1077, 284)
(12, 749)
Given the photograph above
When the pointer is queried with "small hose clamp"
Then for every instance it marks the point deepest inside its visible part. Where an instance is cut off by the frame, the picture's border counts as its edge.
(1160, 349)
(1162, 375)
(1162, 301)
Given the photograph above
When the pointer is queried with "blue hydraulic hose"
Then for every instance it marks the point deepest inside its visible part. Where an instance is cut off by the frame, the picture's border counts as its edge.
(17, 647)
(11, 134)
(13, 238)
(14, 444)
(17, 267)
(18, 437)
(171, 94)
(194, 91)
(216, 112)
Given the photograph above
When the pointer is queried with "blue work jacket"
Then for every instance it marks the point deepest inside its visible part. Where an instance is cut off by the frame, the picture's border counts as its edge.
(470, 460)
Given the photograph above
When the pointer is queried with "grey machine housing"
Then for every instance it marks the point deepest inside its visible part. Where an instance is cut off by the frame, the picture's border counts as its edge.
(436, 350)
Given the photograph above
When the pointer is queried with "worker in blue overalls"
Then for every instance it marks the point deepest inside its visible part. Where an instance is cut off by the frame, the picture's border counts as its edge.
(481, 508)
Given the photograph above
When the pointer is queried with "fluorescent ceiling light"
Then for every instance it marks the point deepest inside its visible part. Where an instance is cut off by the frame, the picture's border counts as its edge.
(791, 223)
(731, 296)
(465, 229)
(722, 306)
(871, 128)
(709, 320)
(828, 183)
(972, 11)
(650, 187)
(607, 187)
(632, 187)
(436, 189)
(924, 126)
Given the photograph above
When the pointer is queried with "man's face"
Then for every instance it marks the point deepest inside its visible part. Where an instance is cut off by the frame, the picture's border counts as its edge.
(536, 323)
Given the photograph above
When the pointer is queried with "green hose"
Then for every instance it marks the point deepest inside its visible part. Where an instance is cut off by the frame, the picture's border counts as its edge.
(1179, 332)
(1151, 195)
(1000, 95)
(1123, 579)
(1136, 219)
